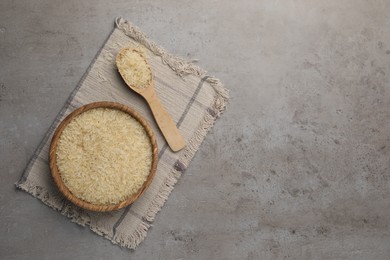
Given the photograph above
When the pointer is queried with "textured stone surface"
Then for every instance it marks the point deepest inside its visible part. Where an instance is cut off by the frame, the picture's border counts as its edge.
(298, 166)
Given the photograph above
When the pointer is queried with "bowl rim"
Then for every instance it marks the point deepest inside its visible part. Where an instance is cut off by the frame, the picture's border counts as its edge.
(57, 175)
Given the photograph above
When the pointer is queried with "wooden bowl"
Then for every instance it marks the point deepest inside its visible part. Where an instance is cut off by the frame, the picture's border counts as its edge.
(57, 175)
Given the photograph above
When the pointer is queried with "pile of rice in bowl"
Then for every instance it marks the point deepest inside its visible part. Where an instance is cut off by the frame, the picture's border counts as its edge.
(104, 156)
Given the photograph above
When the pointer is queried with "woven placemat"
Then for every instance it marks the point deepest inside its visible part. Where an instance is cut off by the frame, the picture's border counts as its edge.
(192, 98)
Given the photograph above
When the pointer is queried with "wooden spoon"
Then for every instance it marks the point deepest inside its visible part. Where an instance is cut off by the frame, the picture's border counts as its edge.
(135, 71)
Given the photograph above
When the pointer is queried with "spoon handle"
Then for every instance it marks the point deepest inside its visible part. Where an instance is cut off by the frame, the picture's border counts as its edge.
(164, 121)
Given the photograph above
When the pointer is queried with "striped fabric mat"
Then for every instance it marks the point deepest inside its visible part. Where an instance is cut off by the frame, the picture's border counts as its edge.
(192, 98)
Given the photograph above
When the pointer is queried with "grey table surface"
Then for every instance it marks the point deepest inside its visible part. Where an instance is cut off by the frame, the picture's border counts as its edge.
(297, 167)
